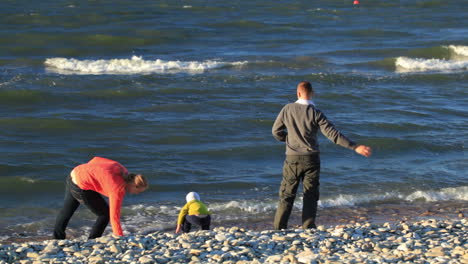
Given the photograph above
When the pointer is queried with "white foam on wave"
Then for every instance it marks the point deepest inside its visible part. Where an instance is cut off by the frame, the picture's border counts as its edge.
(458, 62)
(445, 194)
(405, 64)
(28, 180)
(268, 205)
(459, 50)
(458, 193)
(352, 200)
(135, 65)
(144, 218)
(254, 207)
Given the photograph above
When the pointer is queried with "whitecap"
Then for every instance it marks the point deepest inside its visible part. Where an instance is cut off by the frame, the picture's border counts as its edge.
(246, 206)
(459, 50)
(135, 65)
(445, 194)
(352, 200)
(405, 64)
(28, 180)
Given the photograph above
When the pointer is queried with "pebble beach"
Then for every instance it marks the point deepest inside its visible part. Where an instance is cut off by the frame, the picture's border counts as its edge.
(423, 241)
(186, 93)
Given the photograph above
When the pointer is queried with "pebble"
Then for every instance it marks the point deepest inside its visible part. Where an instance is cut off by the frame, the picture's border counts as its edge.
(426, 241)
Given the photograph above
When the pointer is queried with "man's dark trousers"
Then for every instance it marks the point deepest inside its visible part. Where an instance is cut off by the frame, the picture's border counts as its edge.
(297, 169)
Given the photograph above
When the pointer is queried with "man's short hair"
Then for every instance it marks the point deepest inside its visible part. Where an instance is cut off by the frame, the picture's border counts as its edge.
(305, 87)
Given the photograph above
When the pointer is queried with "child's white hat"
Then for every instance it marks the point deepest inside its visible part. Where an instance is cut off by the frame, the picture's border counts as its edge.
(192, 196)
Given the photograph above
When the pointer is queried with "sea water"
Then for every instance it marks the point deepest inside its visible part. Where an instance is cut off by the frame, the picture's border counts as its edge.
(186, 92)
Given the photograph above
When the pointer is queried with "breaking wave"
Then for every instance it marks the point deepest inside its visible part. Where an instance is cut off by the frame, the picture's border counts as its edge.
(459, 50)
(405, 64)
(458, 62)
(135, 65)
(257, 207)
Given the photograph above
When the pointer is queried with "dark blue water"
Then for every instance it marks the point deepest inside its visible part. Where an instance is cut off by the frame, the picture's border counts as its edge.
(186, 92)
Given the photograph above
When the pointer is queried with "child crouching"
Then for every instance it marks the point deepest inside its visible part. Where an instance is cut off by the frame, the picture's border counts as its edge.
(193, 213)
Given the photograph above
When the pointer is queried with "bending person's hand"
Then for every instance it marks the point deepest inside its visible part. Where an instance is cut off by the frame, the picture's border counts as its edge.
(363, 150)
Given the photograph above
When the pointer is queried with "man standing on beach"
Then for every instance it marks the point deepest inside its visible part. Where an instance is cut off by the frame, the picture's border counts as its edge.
(297, 125)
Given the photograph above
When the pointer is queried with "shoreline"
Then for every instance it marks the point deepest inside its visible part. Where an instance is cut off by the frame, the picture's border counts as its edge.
(399, 234)
(424, 241)
(376, 214)
(332, 216)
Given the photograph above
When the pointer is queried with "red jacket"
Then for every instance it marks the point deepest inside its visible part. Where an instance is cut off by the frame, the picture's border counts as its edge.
(105, 177)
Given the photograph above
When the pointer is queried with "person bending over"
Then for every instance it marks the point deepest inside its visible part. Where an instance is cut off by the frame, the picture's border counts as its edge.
(87, 184)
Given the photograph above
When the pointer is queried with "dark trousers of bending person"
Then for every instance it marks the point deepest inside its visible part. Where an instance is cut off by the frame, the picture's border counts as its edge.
(74, 196)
